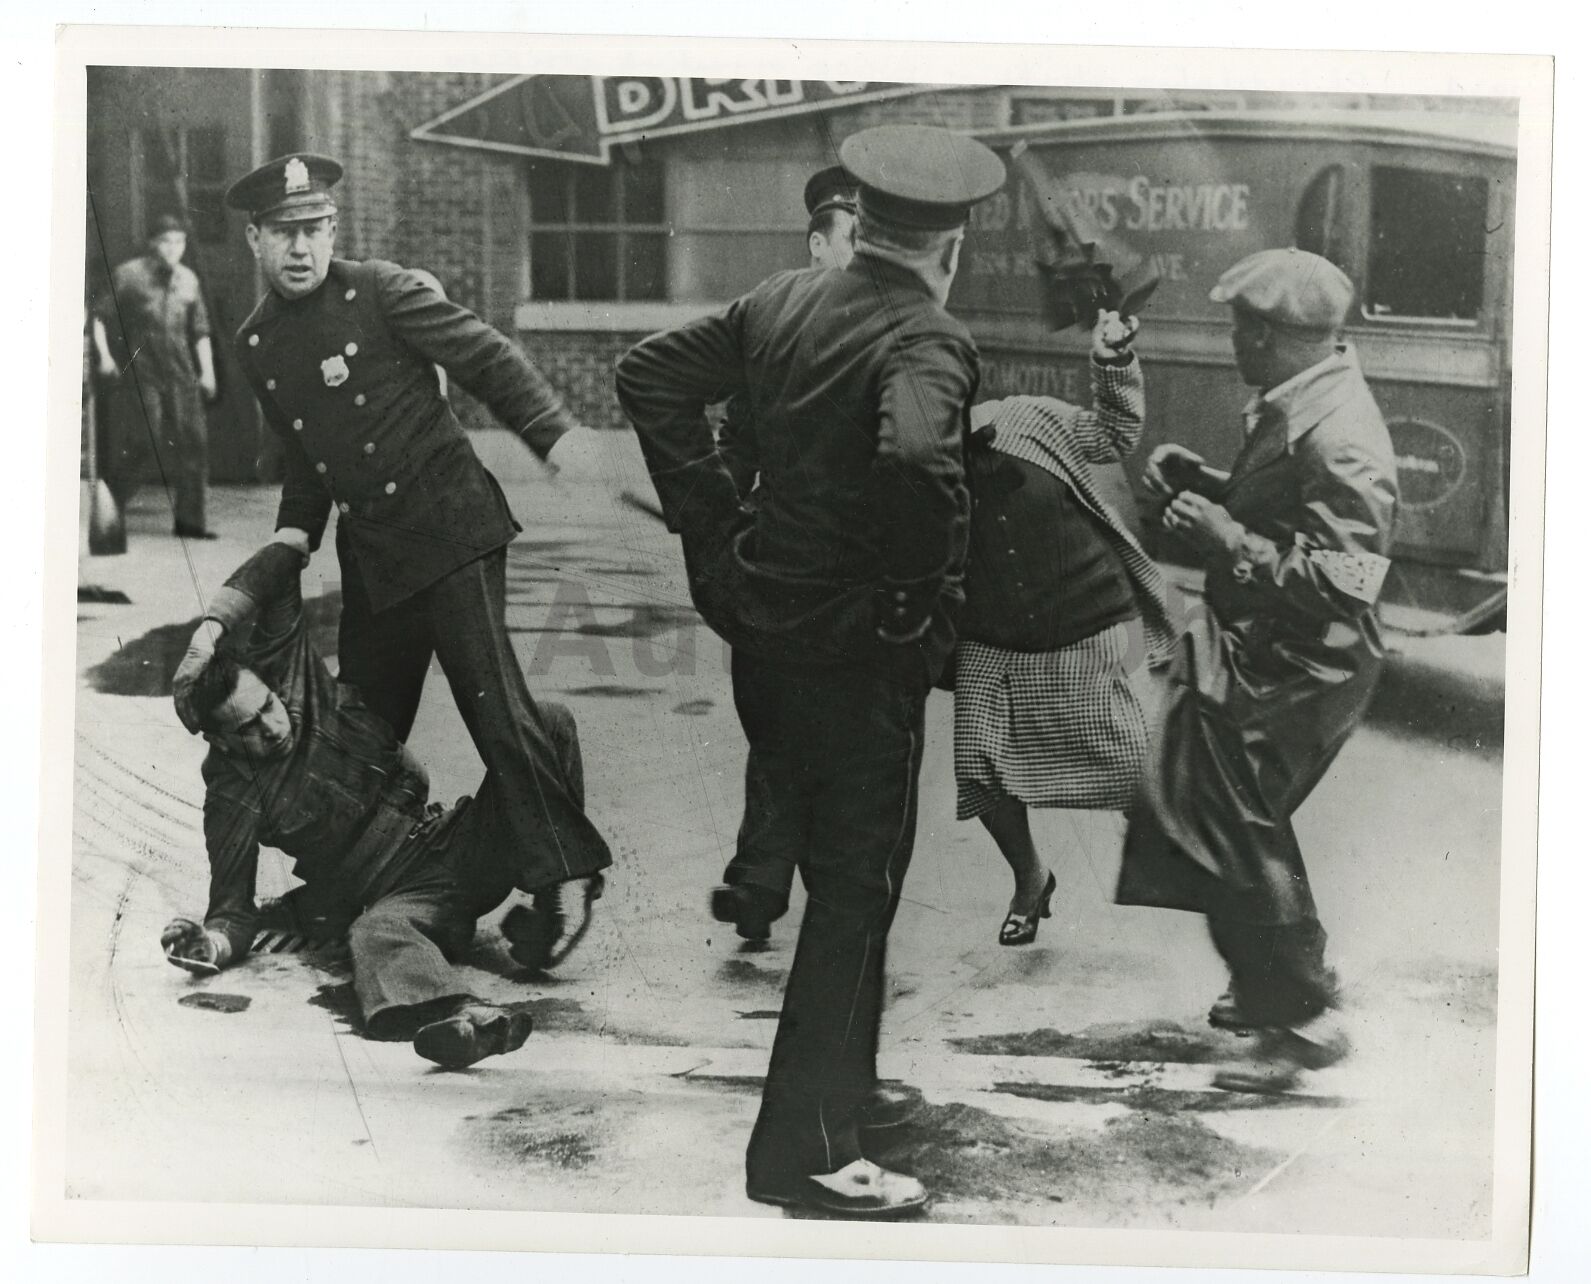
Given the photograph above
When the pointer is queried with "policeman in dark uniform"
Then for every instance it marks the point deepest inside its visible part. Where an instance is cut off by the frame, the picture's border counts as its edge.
(340, 355)
(838, 598)
(830, 198)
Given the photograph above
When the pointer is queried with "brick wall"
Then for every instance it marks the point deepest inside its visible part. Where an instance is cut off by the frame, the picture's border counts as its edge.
(579, 363)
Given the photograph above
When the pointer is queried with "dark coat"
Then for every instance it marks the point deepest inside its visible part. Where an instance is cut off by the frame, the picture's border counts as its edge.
(855, 386)
(345, 377)
(1268, 685)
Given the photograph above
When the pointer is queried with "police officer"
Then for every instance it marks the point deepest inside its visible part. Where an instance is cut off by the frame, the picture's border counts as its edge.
(830, 198)
(838, 600)
(1272, 680)
(340, 355)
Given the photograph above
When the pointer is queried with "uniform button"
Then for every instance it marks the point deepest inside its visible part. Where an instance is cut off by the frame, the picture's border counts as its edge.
(254, 341)
(351, 349)
(298, 425)
(350, 295)
(320, 468)
(900, 596)
(270, 385)
(343, 506)
(392, 488)
(370, 448)
(359, 399)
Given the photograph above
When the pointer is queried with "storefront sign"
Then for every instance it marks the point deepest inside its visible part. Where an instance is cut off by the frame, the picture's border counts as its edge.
(583, 118)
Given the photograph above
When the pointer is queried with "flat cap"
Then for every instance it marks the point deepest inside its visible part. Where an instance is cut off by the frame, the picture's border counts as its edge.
(288, 189)
(830, 189)
(917, 176)
(1288, 287)
(163, 223)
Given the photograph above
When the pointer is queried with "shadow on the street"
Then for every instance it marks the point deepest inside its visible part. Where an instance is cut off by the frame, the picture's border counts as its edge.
(1439, 705)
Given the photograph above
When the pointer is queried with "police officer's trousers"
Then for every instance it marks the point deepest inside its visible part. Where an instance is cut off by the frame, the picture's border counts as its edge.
(838, 751)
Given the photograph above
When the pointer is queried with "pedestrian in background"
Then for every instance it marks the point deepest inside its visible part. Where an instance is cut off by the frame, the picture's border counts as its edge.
(838, 597)
(1269, 683)
(154, 356)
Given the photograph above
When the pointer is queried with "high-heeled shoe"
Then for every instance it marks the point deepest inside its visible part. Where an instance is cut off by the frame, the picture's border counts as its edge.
(1020, 929)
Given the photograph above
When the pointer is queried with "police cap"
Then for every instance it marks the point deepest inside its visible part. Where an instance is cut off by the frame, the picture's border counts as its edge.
(830, 189)
(1292, 288)
(916, 176)
(292, 189)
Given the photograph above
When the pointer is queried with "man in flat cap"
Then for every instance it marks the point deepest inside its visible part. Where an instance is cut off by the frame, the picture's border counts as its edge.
(152, 344)
(838, 598)
(341, 356)
(1268, 685)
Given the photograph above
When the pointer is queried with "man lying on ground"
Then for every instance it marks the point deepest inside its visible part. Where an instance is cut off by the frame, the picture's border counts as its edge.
(299, 763)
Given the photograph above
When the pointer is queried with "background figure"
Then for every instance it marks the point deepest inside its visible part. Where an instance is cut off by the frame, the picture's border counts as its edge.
(838, 602)
(154, 359)
(757, 880)
(342, 357)
(1268, 684)
(1050, 659)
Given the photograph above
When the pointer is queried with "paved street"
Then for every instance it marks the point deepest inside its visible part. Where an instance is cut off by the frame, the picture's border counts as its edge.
(1067, 1081)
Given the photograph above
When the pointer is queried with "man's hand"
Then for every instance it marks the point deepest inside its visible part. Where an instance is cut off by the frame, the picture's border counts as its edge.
(1113, 336)
(578, 457)
(107, 366)
(1203, 524)
(1171, 468)
(189, 946)
(207, 385)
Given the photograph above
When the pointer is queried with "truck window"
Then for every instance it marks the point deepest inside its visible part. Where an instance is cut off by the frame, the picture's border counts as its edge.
(1427, 245)
(1318, 227)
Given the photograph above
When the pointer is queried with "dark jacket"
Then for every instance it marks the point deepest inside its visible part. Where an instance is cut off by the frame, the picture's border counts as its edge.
(855, 386)
(345, 379)
(340, 804)
(1267, 686)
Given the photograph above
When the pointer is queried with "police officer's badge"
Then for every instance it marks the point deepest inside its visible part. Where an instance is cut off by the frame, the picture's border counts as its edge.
(295, 174)
(334, 370)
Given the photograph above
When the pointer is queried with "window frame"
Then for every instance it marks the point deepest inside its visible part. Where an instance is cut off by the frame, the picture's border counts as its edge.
(570, 227)
(1475, 325)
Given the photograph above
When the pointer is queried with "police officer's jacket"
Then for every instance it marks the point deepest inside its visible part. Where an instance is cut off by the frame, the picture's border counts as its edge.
(345, 378)
(855, 386)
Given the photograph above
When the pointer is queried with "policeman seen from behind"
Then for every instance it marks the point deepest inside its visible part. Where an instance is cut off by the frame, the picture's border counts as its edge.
(340, 355)
(838, 598)
(1271, 681)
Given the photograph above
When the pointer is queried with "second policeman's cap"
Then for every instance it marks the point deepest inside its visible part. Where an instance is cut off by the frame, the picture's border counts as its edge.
(293, 188)
(1288, 287)
(917, 176)
(830, 189)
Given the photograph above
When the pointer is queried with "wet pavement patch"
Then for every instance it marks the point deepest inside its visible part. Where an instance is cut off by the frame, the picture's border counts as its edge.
(144, 666)
(741, 972)
(340, 1000)
(1164, 1041)
(552, 1134)
(1134, 1164)
(1147, 1098)
(228, 1003)
(611, 690)
(694, 708)
(760, 1014)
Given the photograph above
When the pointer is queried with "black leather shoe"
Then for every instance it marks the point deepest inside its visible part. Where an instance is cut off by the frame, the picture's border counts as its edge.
(545, 934)
(474, 1032)
(1225, 1014)
(890, 1105)
(193, 532)
(750, 908)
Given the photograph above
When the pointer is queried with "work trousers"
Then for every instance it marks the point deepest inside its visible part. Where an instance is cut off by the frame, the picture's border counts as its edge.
(162, 416)
(544, 834)
(444, 874)
(1279, 972)
(837, 752)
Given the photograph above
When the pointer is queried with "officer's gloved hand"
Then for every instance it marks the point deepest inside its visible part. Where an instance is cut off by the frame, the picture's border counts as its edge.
(201, 650)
